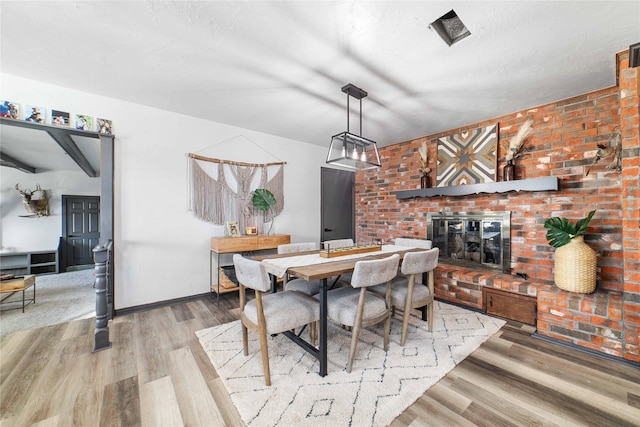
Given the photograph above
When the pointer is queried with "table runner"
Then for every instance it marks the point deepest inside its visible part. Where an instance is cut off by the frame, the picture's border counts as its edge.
(279, 266)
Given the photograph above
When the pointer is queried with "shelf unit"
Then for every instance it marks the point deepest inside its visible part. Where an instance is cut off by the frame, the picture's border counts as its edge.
(547, 183)
(23, 263)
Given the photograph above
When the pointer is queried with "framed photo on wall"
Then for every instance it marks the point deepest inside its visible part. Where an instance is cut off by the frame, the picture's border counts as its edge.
(467, 157)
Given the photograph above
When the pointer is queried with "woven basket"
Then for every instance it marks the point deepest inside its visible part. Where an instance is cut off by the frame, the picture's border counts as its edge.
(227, 277)
(575, 267)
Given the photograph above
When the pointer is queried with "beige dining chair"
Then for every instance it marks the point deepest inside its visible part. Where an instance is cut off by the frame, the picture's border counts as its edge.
(414, 243)
(406, 294)
(269, 313)
(300, 285)
(356, 307)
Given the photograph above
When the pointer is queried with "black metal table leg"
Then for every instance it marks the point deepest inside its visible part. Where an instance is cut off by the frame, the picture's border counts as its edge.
(323, 328)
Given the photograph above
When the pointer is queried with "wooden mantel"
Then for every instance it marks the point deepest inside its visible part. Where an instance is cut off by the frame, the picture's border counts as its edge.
(547, 183)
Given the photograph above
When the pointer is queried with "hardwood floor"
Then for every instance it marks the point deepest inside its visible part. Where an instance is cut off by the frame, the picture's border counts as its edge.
(156, 374)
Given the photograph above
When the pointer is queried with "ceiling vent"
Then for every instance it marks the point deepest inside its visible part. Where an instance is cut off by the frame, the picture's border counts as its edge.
(450, 28)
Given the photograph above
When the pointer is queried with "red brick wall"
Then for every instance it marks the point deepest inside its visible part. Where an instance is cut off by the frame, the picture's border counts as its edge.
(563, 144)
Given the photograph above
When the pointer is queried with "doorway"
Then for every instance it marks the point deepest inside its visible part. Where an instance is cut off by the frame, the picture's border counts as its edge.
(80, 231)
(337, 192)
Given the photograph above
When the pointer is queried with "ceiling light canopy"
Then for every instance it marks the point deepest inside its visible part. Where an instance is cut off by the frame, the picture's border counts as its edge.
(349, 150)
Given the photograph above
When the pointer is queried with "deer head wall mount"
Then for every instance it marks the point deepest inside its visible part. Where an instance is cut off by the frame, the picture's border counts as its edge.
(36, 207)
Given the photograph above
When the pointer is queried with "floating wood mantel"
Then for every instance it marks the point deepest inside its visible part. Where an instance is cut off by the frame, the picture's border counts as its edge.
(547, 183)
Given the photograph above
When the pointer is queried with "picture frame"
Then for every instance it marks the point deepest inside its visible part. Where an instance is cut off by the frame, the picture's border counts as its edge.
(9, 109)
(232, 229)
(251, 230)
(35, 114)
(105, 126)
(60, 118)
(83, 122)
(468, 157)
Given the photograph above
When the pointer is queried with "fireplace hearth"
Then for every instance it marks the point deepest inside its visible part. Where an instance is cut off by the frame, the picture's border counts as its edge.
(472, 239)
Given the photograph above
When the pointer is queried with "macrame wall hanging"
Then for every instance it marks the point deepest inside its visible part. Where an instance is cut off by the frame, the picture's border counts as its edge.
(221, 190)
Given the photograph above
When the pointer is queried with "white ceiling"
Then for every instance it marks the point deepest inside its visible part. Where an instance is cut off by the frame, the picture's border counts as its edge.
(277, 67)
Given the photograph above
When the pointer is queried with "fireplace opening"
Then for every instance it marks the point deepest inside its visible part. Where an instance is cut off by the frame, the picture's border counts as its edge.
(476, 239)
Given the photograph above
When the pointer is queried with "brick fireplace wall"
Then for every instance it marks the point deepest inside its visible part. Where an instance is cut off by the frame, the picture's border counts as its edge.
(563, 144)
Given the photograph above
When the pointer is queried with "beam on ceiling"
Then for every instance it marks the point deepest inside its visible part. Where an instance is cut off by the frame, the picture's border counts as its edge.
(69, 146)
(7, 160)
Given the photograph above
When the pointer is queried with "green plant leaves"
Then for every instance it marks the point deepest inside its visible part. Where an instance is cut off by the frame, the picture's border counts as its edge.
(263, 199)
(561, 230)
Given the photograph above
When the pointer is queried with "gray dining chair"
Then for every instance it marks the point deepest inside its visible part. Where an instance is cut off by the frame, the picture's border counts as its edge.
(300, 285)
(406, 294)
(414, 243)
(269, 313)
(356, 307)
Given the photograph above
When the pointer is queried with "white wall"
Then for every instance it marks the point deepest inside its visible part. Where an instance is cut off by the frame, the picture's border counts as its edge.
(162, 250)
(20, 234)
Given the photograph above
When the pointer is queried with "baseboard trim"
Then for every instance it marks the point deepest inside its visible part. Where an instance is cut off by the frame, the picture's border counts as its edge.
(159, 304)
(586, 350)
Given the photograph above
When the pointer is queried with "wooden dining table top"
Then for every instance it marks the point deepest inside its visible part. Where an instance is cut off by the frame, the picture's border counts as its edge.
(333, 268)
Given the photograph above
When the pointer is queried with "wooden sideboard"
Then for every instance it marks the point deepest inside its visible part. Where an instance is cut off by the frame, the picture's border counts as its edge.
(228, 245)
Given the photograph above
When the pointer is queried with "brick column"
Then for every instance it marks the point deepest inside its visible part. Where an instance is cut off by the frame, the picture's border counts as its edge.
(629, 126)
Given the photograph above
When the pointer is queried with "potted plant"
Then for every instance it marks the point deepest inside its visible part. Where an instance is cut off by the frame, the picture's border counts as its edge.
(264, 200)
(575, 261)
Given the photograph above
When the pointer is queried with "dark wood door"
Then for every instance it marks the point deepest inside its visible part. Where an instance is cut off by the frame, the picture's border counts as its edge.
(80, 229)
(337, 189)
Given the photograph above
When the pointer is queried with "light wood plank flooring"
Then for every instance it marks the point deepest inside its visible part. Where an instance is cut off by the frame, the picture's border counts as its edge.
(156, 374)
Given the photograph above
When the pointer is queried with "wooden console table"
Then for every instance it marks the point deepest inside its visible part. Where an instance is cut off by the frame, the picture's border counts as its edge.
(228, 245)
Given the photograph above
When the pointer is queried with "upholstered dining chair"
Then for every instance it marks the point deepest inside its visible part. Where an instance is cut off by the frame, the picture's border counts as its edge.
(406, 293)
(269, 313)
(413, 243)
(356, 307)
(300, 285)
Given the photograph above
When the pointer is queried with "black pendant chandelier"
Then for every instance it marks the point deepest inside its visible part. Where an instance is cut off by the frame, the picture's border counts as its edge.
(349, 150)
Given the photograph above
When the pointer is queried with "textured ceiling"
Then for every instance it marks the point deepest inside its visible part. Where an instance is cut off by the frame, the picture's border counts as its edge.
(277, 67)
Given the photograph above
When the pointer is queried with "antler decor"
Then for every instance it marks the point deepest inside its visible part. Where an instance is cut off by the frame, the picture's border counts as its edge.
(605, 151)
(36, 207)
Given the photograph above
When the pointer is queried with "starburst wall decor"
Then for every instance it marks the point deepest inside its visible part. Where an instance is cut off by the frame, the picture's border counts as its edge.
(467, 157)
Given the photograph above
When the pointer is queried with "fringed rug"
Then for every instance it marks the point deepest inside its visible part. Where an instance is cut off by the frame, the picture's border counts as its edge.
(379, 388)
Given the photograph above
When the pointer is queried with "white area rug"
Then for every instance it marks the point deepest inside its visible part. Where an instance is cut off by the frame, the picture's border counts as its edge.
(59, 298)
(379, 388)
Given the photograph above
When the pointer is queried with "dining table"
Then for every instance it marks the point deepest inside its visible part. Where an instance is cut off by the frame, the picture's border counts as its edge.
(311, 266)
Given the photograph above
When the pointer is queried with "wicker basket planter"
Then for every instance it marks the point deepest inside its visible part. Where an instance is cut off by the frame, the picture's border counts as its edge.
(575, 267)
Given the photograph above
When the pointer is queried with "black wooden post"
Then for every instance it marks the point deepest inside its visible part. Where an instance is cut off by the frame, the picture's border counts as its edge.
(101, 337)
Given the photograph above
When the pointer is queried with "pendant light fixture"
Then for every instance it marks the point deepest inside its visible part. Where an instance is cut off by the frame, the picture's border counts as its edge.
(349, 150)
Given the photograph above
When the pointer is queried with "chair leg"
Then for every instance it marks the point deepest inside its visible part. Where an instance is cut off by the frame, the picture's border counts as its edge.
(356, 329)
(264, 349)
(245, 340)
(407, 310)
(430, 314)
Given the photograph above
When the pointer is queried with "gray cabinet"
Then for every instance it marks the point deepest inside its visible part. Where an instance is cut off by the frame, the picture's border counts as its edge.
(21, 263)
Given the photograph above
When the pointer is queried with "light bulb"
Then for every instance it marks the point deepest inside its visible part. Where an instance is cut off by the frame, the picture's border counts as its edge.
(354, 154)
(363, 156)
(344, 151)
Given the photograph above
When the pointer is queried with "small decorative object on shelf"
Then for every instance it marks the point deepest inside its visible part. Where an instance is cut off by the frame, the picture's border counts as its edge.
(515, 145)
(425, 182)
(509, 171)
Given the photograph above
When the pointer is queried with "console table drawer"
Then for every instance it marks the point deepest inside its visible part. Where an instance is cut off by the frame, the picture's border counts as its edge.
(522, 308)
